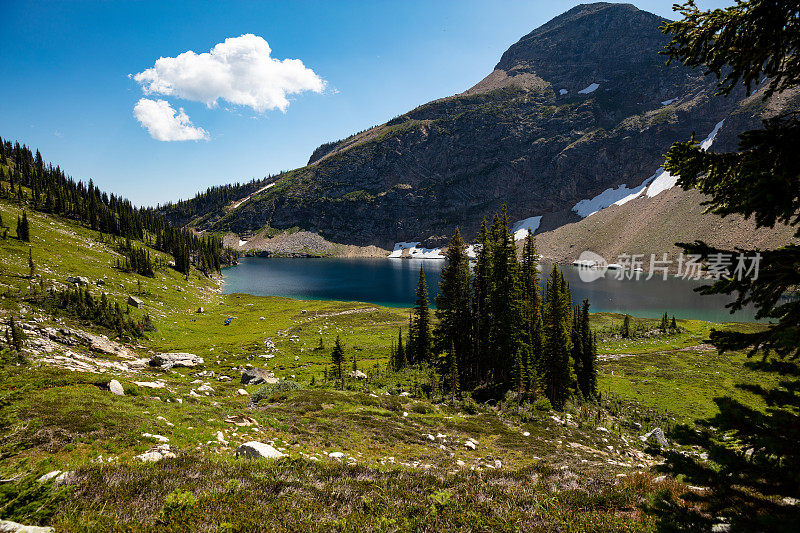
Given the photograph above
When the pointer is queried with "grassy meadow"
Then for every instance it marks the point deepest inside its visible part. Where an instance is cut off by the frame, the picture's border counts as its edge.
(405, 463)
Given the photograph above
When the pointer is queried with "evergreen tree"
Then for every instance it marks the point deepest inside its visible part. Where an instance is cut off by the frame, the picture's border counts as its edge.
(452, 373)
(481, 306)
(31, 265)
(674, 325)
(401, 352)
(421, 323)
(337, 357)
(23, 230)
(664, 326)
(754, 43)
(557, 342)
(453, 304)
(531, 307)
(587, 370)
(626, 327)
(504, 335)
(17, 336)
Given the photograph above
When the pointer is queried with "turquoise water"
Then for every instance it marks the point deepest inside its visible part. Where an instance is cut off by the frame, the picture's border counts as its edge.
(391, 282)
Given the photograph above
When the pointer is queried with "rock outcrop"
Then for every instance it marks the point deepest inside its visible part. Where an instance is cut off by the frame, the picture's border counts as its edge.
(169, 360)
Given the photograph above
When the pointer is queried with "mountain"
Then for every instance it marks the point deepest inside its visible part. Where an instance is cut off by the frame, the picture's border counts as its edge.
(580, 105)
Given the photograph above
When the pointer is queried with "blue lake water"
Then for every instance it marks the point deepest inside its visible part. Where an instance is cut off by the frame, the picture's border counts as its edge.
(391, 282)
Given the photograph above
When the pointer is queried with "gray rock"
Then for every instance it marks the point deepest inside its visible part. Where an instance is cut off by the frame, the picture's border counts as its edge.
(655, 438)
(78, 280)
(201, 310)
(255, 376)
(357, 374)
(7, 526)
(168, 360)
(133, 301)
(116, 387)
(257, 450)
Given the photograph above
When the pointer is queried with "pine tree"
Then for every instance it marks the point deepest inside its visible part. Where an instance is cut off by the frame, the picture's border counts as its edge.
(664, 324)
(674, 325)
(452, 372)
(23, 229)
(752, 44)
(453, 303)
(587, 370)
(17, 336)
(504, 334)
(421, 347)
(31, 265)
(337, 357)
(531, 306)
(401, 352)
(626, 327)
(481, 306)
(557, 342)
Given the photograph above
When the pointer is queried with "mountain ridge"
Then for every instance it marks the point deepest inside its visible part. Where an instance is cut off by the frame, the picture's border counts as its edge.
(578, 105)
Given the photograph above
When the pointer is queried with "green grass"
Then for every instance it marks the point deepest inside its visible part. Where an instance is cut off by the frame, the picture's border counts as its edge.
(562, 476)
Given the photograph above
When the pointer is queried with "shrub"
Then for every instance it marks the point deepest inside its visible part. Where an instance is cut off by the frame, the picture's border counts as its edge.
(272, 389)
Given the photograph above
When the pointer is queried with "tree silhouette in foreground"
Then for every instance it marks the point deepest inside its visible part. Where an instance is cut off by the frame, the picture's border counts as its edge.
(753, 462)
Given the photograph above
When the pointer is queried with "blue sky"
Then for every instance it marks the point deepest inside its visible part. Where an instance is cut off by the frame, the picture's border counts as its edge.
(65, 85)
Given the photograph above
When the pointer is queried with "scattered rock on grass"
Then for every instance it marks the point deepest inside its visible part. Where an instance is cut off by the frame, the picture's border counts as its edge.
(655, 438)
(7, 526)
(242, 392)
(168, 360)
(133, 301)
(116, 387)
(257, 450)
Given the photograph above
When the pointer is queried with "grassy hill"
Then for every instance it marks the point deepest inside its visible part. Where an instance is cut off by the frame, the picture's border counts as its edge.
(405, 463)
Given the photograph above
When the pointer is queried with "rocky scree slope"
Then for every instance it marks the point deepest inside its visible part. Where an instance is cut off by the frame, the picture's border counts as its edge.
(579, 105)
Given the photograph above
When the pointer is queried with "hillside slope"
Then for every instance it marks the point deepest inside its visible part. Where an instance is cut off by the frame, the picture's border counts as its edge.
(579, 105)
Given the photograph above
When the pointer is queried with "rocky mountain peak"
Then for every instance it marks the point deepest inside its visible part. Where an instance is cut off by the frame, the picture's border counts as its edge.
(611, 45)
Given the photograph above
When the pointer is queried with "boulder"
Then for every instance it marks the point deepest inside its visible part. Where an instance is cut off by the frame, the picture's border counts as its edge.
(149, 457)
(242, 392)
(168, 360)
(78, 280)
(255, 376)
(469, 445)
(357, 374)
(7, 526)
(133, 301)
(48, 476)
(116, 387)
(257, 450)
(200, 310)
(655, 437)
(150, 384)
(336, 455)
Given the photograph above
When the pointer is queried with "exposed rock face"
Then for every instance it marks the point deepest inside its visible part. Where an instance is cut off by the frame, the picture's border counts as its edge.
(133, 301)
(168, 360)
(579, 105)
(257, 450)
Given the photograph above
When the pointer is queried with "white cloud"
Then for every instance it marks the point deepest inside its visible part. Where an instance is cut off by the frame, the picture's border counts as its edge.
(164, 123)
(239, 70)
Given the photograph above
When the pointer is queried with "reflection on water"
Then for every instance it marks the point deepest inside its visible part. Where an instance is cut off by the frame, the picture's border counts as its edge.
(391, 282)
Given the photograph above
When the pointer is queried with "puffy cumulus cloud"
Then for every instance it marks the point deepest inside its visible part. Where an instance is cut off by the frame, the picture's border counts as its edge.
(164, 123)
(239, 70)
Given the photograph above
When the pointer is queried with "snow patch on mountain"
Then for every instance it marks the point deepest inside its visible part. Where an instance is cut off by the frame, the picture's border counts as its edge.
(415, 251)
(655, 184)
(520, 228)
(590, 89)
